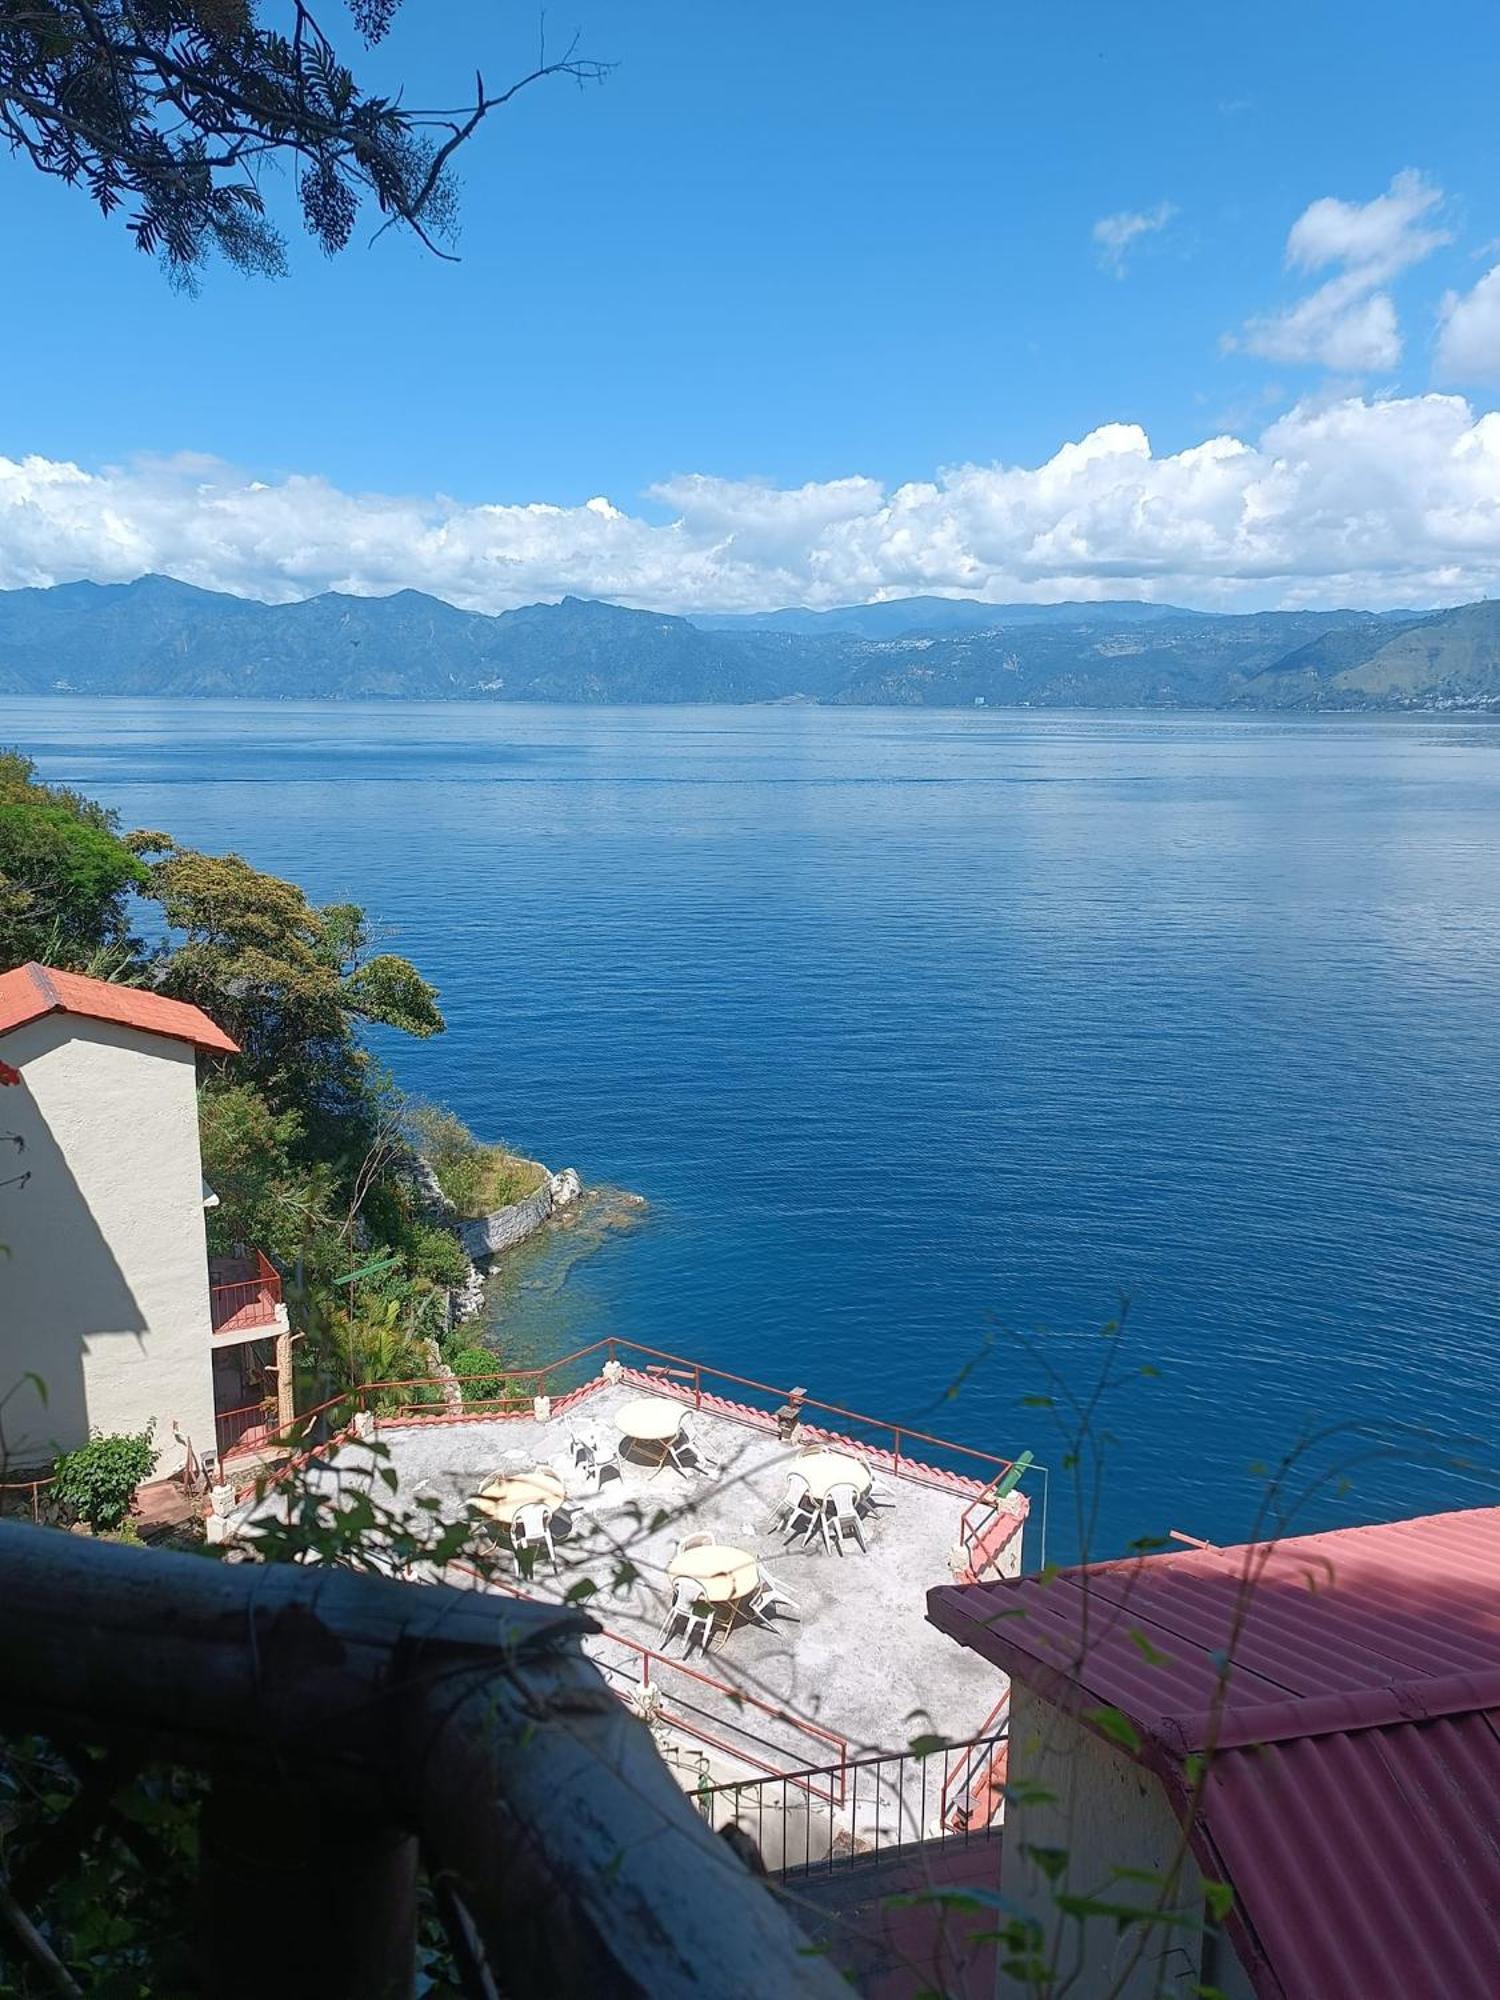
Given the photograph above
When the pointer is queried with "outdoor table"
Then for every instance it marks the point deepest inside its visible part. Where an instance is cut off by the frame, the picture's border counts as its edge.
(504, 1497)
(651, 1420)
(823, 1470)
(723, 1573)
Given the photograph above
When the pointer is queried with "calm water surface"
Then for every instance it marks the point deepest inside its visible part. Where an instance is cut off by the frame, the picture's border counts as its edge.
(929, 1036)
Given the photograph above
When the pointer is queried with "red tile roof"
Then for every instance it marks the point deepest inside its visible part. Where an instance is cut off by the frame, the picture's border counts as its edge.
(34, 990)
(1353, 1798)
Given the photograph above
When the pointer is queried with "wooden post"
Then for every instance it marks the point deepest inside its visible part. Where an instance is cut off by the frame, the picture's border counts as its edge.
(286, 1395)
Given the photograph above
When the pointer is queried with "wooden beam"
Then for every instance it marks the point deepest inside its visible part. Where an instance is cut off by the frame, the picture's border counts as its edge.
(473, 1720)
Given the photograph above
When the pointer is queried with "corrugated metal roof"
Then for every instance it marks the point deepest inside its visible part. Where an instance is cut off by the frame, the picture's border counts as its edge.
(1347, 1686)
(34, 990)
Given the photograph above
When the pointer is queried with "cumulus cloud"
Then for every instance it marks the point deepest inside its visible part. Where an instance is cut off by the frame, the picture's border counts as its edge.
(1116, 235)
(1359, 501)
(1349, 323)
(1469, 335)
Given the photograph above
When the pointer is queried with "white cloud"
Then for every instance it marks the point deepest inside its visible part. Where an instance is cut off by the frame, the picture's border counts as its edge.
(1349, 322)
(1356, 501)
(1116, 235)
(1469, 339)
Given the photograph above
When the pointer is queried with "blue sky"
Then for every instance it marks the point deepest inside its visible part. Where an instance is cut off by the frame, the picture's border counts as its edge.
(788, 248)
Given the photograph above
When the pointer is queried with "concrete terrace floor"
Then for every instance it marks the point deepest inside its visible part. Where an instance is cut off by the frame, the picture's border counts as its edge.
(861, 1662)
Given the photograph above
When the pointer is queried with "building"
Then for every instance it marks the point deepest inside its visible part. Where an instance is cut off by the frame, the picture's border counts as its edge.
(110, 1316)
(1314, 1722)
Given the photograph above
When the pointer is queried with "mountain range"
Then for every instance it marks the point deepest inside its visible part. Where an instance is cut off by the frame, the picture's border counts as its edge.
(157, 636)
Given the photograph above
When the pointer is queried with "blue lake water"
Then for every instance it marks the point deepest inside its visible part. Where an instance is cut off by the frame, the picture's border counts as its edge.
(929, 1036)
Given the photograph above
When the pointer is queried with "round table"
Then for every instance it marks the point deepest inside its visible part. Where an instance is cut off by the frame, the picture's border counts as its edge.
(723, 1573)
(504, 1497)
(823, 1470)
(650, 1420)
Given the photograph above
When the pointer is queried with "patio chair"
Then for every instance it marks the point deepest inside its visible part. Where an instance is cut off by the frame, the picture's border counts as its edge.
(685, 1454)
(584, 1458)
(692, 1611)
(798, 1513)
(700, 1540)
(840, 1520)
(531, 1530)
(766, 1596)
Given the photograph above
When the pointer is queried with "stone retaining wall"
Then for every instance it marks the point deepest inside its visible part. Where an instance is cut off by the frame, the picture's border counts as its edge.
(507, 1227)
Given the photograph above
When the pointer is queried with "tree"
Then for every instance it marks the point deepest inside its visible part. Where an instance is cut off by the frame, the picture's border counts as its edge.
(65, 875)
(170, 108)
(286, 979)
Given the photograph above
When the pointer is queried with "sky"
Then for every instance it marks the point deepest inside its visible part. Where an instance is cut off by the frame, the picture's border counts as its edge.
(818, 305)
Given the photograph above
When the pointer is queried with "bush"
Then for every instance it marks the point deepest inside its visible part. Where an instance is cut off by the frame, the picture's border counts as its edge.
(97, 1482)
(436, 1255)
(478, 1370)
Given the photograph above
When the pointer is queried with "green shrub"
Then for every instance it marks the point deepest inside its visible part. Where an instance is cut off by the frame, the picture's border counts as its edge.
(478, 1371)
(436, 1255)
(97, 1482)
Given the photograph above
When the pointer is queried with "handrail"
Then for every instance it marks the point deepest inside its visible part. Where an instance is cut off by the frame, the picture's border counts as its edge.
(990, 1737)
(372, 1722)
(885, 1797)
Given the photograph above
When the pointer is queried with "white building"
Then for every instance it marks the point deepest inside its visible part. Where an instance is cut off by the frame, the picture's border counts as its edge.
(109, 1315)
(1287, 1753)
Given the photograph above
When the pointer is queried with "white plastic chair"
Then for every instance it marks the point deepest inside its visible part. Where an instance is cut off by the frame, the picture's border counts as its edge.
(766, 1596)
(684, 1454)
(699, 1540)
(795, 1498)
(692, 1611)
(840, 1519)
(531, 1529)
(584, 1456)
(803, 1512)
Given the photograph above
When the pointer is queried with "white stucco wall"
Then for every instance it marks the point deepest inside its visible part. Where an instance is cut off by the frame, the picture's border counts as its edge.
(1108, 1812)
(104, 1293)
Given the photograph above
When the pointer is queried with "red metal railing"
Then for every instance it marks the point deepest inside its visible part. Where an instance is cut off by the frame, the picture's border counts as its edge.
(251, 1298)
(974, 1789)
(233, 1429)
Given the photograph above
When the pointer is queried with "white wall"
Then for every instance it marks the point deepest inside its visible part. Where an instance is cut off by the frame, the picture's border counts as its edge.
(1107, 1812)
(104, 1293)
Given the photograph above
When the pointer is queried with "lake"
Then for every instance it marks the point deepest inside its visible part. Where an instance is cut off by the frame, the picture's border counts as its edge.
(929, 1037)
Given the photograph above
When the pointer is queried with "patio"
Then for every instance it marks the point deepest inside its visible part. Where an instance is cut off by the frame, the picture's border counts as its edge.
(859, 1669)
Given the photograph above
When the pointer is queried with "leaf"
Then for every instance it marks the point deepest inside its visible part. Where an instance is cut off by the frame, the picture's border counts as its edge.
(1219, 1897)
(1152, 1655)
(1116, 1725)
(923, 1746)
(577, 1592)
(1052, 1861)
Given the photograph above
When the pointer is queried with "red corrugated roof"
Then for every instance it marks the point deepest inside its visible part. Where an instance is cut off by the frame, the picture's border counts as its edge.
(34, 990)
(1348, 1687)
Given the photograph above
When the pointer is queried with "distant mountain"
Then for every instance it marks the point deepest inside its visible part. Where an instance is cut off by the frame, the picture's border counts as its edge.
(159, 637)
(900, 617)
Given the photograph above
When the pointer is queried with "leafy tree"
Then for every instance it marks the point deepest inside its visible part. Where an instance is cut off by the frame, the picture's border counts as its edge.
(267, 1196)
(288, 980)
(170, 109)
(65, 876)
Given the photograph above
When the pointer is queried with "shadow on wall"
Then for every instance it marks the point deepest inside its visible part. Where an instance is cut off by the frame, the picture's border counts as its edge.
(62, 1293)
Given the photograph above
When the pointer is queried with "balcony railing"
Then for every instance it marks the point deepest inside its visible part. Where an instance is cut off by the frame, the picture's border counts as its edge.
(243, 1292)
(818, 1821)
(248, 1429)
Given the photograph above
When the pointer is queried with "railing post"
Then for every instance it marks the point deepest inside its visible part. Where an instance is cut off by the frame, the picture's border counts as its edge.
(896, 1452)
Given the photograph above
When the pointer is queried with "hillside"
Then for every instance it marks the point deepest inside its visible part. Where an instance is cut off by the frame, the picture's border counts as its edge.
(160, 637)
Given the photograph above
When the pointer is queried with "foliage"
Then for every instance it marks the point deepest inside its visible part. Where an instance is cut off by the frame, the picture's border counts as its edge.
(97, 1482)
(65, 874)
(266, 1196)
(478, 1371)
(284, 978)
(474, 1177)
(172, 109)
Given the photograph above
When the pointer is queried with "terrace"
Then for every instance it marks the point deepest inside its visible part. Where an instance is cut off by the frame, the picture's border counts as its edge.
(801, 1700)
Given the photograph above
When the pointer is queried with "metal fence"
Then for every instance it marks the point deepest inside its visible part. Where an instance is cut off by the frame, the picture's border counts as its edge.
(887, 1803)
